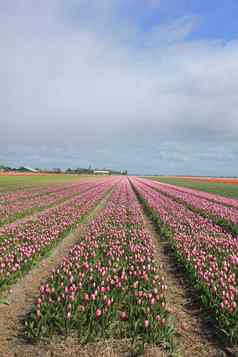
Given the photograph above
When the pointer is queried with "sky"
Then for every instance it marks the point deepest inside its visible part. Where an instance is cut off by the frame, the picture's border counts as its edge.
(150, 86)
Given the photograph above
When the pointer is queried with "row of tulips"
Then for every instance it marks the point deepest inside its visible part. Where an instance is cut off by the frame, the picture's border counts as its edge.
(108, 285)
(10, 211)
(209, 255)
(226, 216)
(226, 201)
(25, 193)
(22, 244)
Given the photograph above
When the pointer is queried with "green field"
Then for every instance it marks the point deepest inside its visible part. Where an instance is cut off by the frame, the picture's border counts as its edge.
(10, 183)
(218, 188)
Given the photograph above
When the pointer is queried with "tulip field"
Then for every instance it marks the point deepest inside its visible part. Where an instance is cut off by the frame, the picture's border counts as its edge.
(21, 244)
(209, 253)
(219, 186)
(222, 210)
(21, 204)
(111, 285)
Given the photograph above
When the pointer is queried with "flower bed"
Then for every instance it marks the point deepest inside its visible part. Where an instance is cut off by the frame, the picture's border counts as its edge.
(15, 209)
(22, 244)
(109, 284)
(209, 255)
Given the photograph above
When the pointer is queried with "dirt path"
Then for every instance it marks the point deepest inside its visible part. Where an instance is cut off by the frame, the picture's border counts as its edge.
(24, 292)
(195, 335)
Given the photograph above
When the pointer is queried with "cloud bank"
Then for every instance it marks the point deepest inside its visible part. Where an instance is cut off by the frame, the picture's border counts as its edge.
(88, 82)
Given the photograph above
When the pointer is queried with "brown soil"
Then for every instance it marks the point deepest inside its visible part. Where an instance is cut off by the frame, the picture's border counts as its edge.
(22, 295)
(69, 347)
(195, 333)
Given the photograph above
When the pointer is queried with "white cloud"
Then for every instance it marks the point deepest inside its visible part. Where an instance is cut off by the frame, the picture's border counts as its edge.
(65, 80)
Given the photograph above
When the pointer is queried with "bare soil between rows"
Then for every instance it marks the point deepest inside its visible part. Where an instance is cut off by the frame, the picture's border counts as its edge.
(195, 333)
(22, 295)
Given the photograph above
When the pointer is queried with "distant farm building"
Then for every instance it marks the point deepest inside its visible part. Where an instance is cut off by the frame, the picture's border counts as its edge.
(27, 169)
(101, 172)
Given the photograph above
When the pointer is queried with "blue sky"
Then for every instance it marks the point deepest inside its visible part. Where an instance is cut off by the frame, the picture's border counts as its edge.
(147, 85)
(218, 19)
